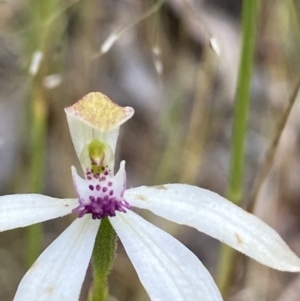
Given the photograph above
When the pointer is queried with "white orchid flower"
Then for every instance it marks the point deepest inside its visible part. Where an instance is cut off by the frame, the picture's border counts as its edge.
(166, 268)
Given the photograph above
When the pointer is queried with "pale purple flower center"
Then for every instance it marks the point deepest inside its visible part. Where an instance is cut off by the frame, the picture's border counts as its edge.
(101, 194)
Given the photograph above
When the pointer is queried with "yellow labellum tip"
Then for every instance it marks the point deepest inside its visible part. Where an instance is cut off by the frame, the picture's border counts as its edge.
(98, 111)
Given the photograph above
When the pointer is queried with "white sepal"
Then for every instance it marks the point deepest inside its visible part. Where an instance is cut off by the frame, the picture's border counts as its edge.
(21, 210)
(166, 268)
(59, 272)
(214, 215)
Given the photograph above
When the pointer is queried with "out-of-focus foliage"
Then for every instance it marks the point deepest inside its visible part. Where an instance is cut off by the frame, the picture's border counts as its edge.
(178, 69)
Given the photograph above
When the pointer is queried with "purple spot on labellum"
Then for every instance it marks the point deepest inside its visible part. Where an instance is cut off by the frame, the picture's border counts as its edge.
(104, 199)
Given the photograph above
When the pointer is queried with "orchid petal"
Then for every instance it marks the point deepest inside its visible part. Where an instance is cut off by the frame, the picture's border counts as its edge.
(96, 116)
(59, 272)
(166, 268)
(212, 214)
(21, 210)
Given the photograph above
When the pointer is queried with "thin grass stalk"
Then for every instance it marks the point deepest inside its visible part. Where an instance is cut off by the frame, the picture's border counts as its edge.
(270, 155)
(235, 188)
(38, 129)
(38, 39)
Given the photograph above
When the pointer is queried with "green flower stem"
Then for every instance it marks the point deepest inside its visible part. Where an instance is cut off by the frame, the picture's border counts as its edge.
(103, 257)
(235, 189)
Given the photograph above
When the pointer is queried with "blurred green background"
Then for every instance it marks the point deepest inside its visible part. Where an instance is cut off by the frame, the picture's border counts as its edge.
(176, 62)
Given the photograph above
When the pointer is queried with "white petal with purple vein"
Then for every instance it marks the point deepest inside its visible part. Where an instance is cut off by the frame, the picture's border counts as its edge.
(58, 273)
(21, 210)
(166, 268)
(212, 214)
